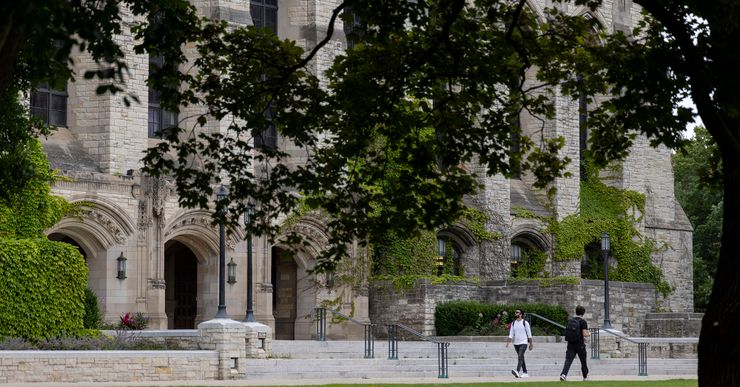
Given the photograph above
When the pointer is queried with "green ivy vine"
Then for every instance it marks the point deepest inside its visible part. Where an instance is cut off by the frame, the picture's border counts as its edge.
(614, 211)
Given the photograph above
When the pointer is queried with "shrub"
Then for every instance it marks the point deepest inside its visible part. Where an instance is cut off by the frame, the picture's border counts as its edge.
(476, 318)
(91, 319)
(134, 322)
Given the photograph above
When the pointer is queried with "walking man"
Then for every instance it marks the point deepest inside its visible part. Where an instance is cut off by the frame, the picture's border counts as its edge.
(520, 333)
(575, 333)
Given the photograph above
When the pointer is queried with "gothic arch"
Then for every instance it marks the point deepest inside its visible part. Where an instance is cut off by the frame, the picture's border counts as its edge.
(102, 224)
(531, 236)
(460, 234)
(194, 230)
(596, 15)
(312, 228)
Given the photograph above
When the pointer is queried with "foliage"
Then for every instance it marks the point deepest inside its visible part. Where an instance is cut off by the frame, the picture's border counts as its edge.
(615, 211)
(697, 172)
(531, 264)
(44, 282)
(133, 321)
(453, 317)
(43, 288)
(95, 341)
(92, 318)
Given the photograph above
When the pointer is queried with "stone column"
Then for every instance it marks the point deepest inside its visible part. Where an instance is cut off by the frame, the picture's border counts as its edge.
(227, 337)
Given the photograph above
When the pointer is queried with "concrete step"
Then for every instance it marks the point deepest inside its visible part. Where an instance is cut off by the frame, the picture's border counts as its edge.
(418, 359)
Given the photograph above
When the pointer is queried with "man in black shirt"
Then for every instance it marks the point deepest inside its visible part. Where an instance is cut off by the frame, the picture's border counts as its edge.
(577, 345)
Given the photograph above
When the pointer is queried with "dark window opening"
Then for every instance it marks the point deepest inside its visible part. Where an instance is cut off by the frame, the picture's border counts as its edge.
(50, 105)
(160, 119)
(264, 14)
(354, 30)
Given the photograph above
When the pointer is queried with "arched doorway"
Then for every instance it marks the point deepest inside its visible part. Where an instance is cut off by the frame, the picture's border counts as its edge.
(284, 293)
(181, 277)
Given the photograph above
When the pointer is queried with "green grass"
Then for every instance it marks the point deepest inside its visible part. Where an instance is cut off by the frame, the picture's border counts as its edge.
(600, 383)
(619, 383)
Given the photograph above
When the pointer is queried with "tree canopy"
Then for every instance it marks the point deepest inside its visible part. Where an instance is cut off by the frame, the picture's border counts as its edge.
(458, 67)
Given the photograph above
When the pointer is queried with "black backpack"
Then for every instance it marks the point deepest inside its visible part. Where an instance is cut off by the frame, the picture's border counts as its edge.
(573, 330)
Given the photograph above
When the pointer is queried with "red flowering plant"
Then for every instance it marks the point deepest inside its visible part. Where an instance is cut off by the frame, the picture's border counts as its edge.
(135, 322)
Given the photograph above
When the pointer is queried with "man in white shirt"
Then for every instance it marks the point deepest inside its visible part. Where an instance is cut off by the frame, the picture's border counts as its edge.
(520, 334)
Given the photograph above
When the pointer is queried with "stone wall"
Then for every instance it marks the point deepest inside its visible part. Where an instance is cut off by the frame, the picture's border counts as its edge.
(629, 302)
(673, 324)
(106, 366)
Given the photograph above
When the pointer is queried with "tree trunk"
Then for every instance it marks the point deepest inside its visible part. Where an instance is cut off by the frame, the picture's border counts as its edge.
(719, 341)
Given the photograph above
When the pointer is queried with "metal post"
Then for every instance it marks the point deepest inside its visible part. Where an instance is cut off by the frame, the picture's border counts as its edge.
(247, 222)
(369, 342)
(595, 350)
(320, 324)
(222, 194)
(442, 364)
(392, 342)
(642, 359)
(605, 246)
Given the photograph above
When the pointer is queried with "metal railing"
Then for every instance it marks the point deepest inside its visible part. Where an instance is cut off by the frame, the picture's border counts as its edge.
(643, 343)
(320, 314)
(442, 360)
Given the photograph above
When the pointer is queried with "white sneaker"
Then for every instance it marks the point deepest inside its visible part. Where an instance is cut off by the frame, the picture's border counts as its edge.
(585, 378)
(523, 375)
(562, 378)
(516, 374)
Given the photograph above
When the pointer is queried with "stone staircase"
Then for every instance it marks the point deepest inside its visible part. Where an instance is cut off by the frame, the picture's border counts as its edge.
(418, 359)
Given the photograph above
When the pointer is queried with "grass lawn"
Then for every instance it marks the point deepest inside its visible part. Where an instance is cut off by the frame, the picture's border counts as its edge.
(619, 383)
(616, 383)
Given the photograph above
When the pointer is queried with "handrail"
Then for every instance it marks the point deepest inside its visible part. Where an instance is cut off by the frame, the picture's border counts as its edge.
(527, 317)
(642, 345)
(442, 361)
(368, 327)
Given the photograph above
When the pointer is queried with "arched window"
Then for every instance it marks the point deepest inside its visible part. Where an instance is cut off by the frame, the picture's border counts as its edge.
(353, 27)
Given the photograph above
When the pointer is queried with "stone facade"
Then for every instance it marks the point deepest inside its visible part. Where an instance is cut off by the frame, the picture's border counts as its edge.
(172, 252)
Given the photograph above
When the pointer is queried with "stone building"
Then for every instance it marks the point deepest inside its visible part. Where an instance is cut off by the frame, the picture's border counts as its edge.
(172, 253)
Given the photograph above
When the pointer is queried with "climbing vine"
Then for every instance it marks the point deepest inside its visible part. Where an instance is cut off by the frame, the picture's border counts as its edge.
(616, 212)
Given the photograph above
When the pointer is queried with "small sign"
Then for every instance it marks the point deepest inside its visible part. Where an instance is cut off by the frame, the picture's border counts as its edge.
(261, 335)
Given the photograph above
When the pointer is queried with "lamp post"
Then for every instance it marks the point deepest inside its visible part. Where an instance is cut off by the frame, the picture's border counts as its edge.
(247, 222)
(220, 197)
(605, 246)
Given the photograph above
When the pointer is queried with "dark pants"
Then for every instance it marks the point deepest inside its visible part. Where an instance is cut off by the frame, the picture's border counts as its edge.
(521, 365)
(573, 350)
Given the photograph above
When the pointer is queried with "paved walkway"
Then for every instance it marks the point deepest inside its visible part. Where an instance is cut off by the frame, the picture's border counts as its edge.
(410, 381)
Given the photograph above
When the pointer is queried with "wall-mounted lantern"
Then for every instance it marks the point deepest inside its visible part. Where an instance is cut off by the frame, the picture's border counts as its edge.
(121, 266)
(330, 279)
(516, 253)
(231, 271)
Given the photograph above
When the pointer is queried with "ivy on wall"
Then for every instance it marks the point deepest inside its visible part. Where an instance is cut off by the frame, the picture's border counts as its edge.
(44, 282)
(405, 260)
(616, 212)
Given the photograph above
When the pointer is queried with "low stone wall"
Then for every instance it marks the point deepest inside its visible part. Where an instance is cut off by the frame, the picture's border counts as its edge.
(415, 307)
(668, 348)
(673, 324)
(106, 366)
(218, 351)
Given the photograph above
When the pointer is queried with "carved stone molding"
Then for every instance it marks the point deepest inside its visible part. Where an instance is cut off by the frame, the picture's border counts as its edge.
(157, 283)
(107, 223)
